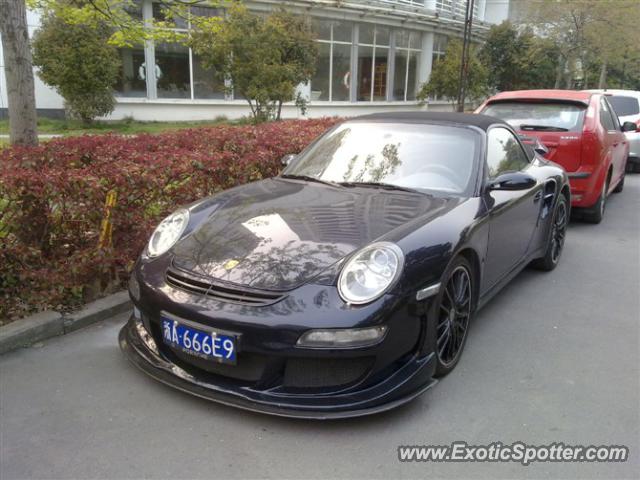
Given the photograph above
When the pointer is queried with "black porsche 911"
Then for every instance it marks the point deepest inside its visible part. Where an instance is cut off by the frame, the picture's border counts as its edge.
(346, 285)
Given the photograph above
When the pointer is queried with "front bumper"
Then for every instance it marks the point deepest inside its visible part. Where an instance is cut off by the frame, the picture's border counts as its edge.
(411, 376)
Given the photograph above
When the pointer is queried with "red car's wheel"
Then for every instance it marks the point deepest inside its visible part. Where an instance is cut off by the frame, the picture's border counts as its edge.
(596, 213)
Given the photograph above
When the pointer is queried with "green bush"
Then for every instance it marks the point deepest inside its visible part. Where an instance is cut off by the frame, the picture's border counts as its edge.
(79, 63)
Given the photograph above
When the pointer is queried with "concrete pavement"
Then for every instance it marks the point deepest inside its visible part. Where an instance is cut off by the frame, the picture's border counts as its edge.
(554, 357)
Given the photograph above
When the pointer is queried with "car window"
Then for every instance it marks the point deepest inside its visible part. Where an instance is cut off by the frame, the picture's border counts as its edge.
(605, 116)
(624, 106)
(539, 116)
(504, 153)
(614, 117)
(418, 156)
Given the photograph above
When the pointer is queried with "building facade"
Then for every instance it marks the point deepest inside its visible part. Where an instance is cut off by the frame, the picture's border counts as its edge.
(373, 56)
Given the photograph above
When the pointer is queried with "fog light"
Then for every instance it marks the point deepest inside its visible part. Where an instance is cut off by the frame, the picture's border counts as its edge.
(342, 338)
(134, 287)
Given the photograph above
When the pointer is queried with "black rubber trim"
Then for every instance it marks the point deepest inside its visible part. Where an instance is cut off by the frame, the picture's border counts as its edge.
(579, 175)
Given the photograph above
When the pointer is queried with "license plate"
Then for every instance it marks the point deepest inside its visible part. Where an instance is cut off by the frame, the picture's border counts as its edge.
(211, 345)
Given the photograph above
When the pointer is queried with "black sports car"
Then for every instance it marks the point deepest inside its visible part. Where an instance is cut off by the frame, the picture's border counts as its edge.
(345, 285)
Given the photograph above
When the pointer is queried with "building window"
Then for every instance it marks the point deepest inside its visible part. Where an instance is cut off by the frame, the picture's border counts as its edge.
(172, 71)
(373, 61)
(205, 84)
(177, 72)
(332, 79)
(132, 79)
(439, 49)
(455, 8)
(407, 52)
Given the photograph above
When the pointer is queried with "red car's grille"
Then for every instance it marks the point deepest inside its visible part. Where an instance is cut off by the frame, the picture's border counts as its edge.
(224, 293)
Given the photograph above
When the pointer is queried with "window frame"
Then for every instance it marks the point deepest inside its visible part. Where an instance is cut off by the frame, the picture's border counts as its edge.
(486, 177)
(409, 50)
(331, 42)
(149, 48)
(614, 116)
(605, 109)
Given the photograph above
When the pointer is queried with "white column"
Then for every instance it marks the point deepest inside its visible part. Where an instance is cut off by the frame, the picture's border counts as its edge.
(426, 57)
(149, 54)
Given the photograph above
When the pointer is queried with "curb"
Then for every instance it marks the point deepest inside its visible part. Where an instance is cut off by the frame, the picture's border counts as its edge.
(44, 325)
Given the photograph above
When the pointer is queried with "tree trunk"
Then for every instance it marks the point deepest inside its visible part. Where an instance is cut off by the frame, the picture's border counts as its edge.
(18, 72)
(602, 83)
(559, 72)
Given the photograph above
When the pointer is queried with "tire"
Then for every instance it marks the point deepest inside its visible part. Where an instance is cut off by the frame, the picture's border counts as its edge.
(458, 289)
(595, 214)
(620, 185)
(555, 243)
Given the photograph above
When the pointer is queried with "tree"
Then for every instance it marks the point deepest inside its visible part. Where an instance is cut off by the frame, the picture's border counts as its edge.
(445, 76)
(77, 60)
(587, 33)
(264, 58)
(18, 72)
(123, 16)
(500, 54)
(517, 59)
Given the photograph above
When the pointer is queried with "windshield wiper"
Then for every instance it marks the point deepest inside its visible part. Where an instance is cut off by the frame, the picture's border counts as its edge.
(309, 178)
(543, 128)
(386, 186)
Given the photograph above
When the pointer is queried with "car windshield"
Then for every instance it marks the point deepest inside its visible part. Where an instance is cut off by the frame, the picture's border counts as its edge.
(624, 106)
(542, 116)
(423, 157)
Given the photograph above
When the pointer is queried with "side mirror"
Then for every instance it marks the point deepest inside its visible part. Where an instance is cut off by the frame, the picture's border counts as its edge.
(540, 148)
(630, 127)
(512, 181)
(533, 143)
(287, 159)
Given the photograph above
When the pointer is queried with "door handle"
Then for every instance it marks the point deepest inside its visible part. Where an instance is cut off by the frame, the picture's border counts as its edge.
(537, 196)
(615, 144)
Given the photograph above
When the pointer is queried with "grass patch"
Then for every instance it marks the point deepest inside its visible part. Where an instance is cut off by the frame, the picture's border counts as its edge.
(51, 126)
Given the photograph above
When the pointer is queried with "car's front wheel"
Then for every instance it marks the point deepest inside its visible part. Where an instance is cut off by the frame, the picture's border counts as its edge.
(453, 313)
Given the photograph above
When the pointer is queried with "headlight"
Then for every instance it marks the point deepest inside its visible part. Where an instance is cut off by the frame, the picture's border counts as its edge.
(370, 272)
(168, 233)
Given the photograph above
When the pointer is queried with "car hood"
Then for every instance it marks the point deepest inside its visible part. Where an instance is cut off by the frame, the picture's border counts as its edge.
(278, 234)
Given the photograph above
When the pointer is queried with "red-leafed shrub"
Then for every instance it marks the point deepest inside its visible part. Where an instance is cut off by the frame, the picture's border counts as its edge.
(52, 201)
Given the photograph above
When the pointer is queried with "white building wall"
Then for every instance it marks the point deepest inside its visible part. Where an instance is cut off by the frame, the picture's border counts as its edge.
(413, 17)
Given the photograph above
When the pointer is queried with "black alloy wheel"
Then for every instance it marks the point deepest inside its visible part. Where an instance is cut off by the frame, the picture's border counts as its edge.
(558, 231)
(453, 316)
(557, 235)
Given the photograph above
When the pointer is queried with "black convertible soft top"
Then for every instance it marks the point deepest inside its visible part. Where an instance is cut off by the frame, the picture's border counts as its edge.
(481, 121)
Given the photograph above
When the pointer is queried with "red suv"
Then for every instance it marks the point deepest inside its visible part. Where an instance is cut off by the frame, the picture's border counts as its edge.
(580, 131)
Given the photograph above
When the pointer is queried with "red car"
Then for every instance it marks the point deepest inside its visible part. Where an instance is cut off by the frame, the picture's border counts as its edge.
(580, 131)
